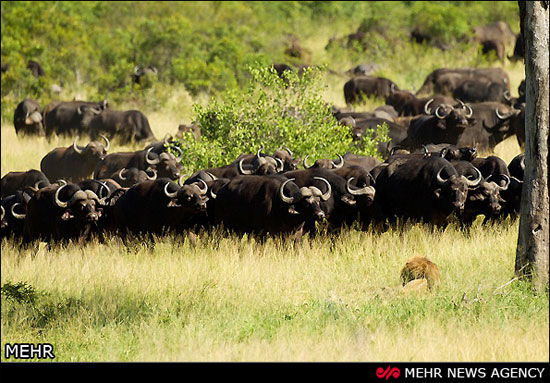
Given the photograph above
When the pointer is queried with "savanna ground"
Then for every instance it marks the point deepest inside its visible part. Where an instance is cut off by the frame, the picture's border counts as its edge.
(227, 298)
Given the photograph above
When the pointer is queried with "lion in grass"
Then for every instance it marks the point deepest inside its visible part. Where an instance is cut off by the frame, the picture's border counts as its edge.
(420, 270)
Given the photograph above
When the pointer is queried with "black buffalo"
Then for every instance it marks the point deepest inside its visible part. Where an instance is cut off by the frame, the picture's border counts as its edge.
(360, 86)
(445, 126)
(74, 163)
(268, 204)
(128, 126)
(165, 164)
(155, 206)
(61, 213)
(432, 183)
(66, 118)
(14, 181)
(27, 118)
(445, 80)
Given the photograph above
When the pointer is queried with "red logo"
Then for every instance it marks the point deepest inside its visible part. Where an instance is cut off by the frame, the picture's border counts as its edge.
(388, 372)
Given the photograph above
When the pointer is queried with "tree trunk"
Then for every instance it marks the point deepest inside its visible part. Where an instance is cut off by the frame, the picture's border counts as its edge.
(532, 250)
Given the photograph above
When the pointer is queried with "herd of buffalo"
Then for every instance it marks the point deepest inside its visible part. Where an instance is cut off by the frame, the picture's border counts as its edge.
(431, 171)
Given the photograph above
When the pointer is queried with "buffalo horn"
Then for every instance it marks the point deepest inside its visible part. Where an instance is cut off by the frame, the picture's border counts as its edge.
(154, 176)
(168, 194)
(280, 165)
(120, 174)
(439, 178)
(282, 194)
(325, 196)
(356, 191)
(15, 215)
(246, 172)
(437, 113)
(288, 150)
(3, 212)
(75, 146)
(150, 161)
(178, 159)
(476, 181)
(426, 110)
(305, 162)
(203, 191)
(500, 116)
(340, 164)
(57, 200)
(107, 143)
(507, 180)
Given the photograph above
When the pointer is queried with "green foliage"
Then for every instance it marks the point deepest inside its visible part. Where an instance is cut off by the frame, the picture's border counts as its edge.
(271, 112)
(20, 292)
(92, 47)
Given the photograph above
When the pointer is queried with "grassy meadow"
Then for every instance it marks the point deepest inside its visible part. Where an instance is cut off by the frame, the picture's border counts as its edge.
(230, 298)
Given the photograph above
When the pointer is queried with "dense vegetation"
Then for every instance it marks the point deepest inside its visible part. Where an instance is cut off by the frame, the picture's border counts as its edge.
(92, 47)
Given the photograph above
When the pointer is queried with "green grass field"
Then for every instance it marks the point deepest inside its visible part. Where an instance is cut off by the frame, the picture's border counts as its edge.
(234, 299)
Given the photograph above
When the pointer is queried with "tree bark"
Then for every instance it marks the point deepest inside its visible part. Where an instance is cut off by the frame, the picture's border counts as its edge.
(532, 250)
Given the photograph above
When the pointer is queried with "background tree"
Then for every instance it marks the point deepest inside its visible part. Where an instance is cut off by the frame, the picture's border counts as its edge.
(532, 250)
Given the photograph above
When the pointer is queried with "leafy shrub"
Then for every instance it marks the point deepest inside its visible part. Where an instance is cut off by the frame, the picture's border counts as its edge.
(271, 112)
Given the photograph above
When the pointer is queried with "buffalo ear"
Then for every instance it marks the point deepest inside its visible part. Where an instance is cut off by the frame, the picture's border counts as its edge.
(291, 210)
(348, 200)
(437, 193)
(67, 215)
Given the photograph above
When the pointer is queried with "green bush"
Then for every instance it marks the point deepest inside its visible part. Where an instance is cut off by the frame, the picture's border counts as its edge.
(268, 114)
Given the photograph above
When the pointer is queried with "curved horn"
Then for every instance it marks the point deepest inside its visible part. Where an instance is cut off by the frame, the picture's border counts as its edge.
(471, 112)
(168, 194)
(104, 185)
(150, 161)
(56, 197)
(61, 182)
(37, 184)
(506, 94)
(120, 174)
(437, 113)
(107, 143)
(500, 116)
(212, 194)
(212, 175)
(154, 176)
(181, 180)
(75, 146)
(15, 215)
(259, 152)
(288, 150)
(426, 110)
(340, 164)
(203, 191)
(356, 191)
(476, 181)
(79, 109)
(443, 152)
(282, 194)
(305, 162)
(507, 179)
(245, 172)
(439, 178)
(280, 165)
(325, 196)
(178, 159)
(3, 212)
